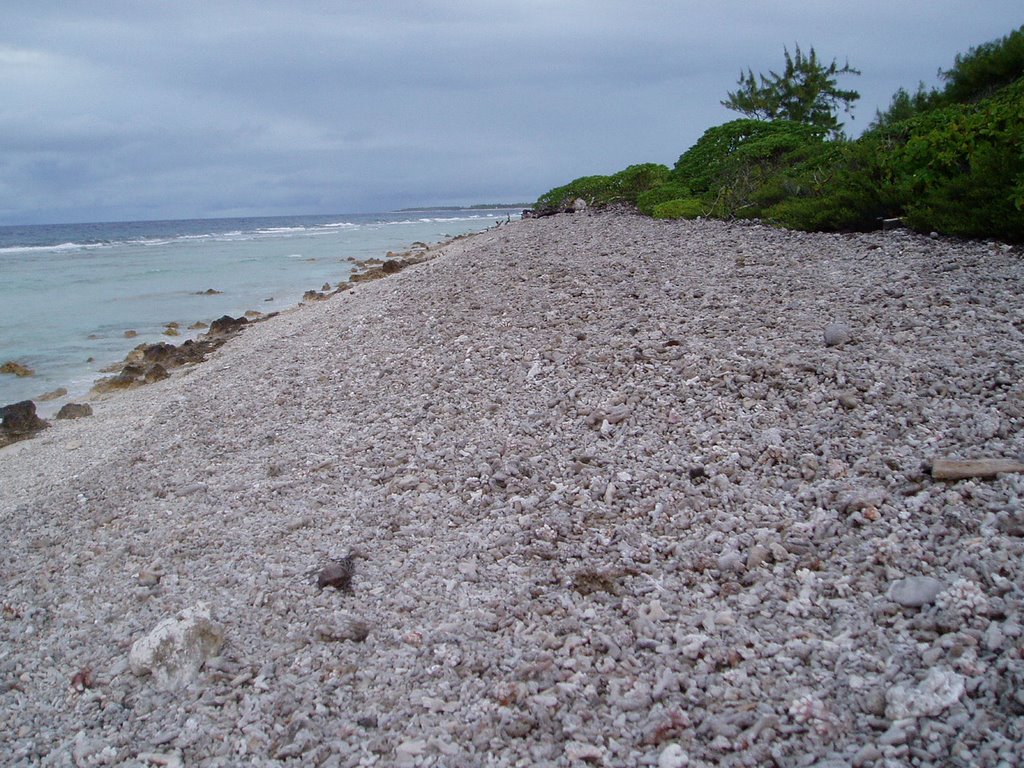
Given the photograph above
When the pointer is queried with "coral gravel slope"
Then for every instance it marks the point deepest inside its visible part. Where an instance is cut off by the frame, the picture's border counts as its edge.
(610, 499)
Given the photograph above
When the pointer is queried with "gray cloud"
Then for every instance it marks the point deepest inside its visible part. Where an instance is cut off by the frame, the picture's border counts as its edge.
(120, 110)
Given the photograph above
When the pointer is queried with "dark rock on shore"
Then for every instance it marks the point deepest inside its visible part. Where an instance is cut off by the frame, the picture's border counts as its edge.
(169, 355)
(387, 267)
(155, 372)
(226, 325)
(19, 421)
(149, 363)
(209, 292)
(74, 411)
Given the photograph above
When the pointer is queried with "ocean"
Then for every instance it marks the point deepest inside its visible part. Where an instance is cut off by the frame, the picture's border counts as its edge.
(70, 292)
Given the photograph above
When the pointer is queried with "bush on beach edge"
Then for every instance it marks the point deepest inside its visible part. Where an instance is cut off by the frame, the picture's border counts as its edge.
(949, 161)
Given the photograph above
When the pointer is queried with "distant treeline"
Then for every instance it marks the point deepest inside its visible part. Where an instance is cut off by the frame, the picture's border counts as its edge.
(949, 160)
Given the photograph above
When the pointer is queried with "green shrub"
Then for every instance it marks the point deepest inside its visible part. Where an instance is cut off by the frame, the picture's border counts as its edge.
(726, 150)
(960, 170)
(844, 187)
(635, 180)
(731, 163)
(598, 191)
(589, 188)
(687, 208)
(652, 197)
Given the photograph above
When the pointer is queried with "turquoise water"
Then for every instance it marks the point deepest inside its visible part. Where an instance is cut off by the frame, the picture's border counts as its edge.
(69, 292)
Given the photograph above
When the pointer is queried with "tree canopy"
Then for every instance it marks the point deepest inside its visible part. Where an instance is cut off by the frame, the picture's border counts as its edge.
(806, 92)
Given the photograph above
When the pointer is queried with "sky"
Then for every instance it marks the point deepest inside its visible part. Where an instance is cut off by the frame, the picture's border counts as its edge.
(116, 110)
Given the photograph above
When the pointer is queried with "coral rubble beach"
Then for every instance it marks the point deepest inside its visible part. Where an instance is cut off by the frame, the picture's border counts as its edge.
(589, 489)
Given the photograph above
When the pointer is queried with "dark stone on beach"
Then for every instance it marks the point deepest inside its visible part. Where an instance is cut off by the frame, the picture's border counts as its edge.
(161, 352)
(170, 356)
(19, 419)
(338, 575)
(313, 296)
(541, 213)
(209, 292)
(74, 411)
(391, 266)
(133, 370)
(127, 378)
(156, 372)
(226, 325)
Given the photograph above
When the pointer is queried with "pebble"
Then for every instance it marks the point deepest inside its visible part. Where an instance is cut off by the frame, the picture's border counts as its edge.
(673, 756)
(915, 591)
(337, 574)
(837, 334)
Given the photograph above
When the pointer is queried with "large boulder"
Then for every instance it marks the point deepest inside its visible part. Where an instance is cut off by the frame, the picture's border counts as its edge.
(74, 411)
(177, 648)
(226, 325)
(20, 420)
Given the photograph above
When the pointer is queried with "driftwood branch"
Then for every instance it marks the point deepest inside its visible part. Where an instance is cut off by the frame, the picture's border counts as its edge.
(953, 469)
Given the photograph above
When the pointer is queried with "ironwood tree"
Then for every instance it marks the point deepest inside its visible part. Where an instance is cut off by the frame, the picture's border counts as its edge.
(806, 91)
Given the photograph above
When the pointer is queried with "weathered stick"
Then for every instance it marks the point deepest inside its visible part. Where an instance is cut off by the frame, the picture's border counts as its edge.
(952, 469)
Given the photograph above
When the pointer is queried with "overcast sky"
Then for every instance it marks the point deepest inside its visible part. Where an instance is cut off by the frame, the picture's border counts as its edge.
(146, 109)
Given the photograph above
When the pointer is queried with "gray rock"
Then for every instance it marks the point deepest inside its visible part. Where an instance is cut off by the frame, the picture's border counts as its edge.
(176, 649)
(837, 334)
(74, 411)
(915, 591)
(939, 690)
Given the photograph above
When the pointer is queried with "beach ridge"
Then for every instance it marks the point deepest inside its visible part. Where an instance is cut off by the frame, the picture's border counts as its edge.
(591, 488)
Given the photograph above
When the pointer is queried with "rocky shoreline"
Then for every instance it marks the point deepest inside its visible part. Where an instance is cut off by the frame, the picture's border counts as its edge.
(152, 362)
(590, 489)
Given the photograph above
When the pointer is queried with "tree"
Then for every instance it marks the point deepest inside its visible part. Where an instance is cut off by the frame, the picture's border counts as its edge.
(805, 92)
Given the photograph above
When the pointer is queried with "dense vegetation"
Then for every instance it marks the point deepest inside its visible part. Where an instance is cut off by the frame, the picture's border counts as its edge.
(949, 160)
